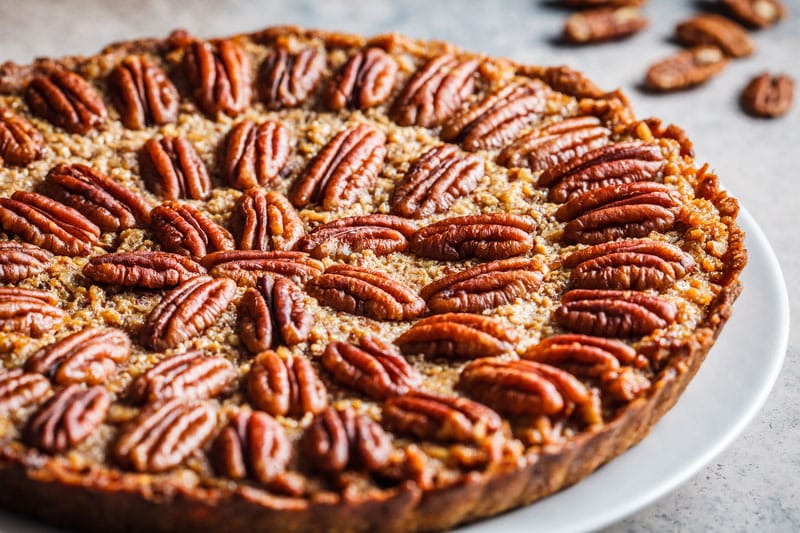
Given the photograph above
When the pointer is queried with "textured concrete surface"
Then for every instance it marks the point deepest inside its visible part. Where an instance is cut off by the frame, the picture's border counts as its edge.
(754, 484)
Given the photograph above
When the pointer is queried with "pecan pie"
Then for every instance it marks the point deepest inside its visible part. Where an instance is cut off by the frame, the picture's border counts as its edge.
(325, 282)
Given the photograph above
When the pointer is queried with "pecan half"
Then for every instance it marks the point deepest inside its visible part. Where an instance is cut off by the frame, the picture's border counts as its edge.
(285, 386)
(172, 169)
(685, 69)
(498, 118)
(184, 230)
(143, 269)
(715, 30)
(245, 267)
(67, 418)
(607, 313)
(345, 168)
(265, 220)
(458, 336)
(145, 94)
(366, 80)
(29, 311)
(638, 265)
(366, 292)
(287, 80)
(617, 211)
(438, 418)
(435, 92)
(88, 356)
(220, 80)
(20, 142)
(484, 286)
(48, 223)
(164, 435)
(434, 181)
(756, 13)
(187, 311)
(274, 313)
(612, 164)
(188, 376)
(605, 24)
(19, 260)
(67, 100)
(20, 390)
(253, 445)
(99, 198)
(256, 154)
(372, 368)
(572, 82)
(382, 234)
(768, 96)
(488, 236)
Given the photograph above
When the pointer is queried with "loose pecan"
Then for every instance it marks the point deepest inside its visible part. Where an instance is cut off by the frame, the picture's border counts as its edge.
(274, 313)
(616, 211)
(285, 386)
(99, 198)
(484, 286)
(188, 376)
(756, 13)
(458, 336)
(265, 220)
(685, 69)
(48, 223)
(220, 79)
(488, 236)
(366, 80)
(245, 267)
(256, 154)
(715, 30)
(637, 264)
(88, 356)
(434, 181)
(372, 368)
(287, 80)
(164, 435)
(67, 100)
(607, 313)
(20, 390)
(438, 418)
(382, 234)
(435, 92)
(172, 169)
(29, 311)
(187, 311)
(184, 230)
(345, 168)
(145, 94)
(148, 270)
(20, 142)
(366, 292)
(604, 24)
(19, 260)
(253, 445)
(68, 418)
(768, 96)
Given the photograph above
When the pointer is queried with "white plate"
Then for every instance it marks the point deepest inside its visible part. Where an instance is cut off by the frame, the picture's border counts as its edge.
(724, 396)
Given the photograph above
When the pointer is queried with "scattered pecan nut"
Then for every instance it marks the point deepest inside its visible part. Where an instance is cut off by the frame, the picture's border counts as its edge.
(20, 142)
(365, 81)
(685, 69)
(182, 229)
(245, 267)
(255, 155)
(145, 95)
(708, 29)
(287, 80)
(147, 270)
(172, 168)
(29, 312)
(604, 24)
(19, 260)
(285, 385)
(458, 336)
(20, 390)
(188, 376)
(756, 13)
(382, 234)
(67, 100)
(768, 96)
(220, 79)
(265, 220)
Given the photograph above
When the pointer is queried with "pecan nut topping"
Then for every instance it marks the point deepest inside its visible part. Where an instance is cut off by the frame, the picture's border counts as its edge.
(147, 270)
(184, 230)
(435, 92)
(366, 80)
(99, 198)
(20, 142)
(715, 30)
(458, 336)
(756, 13)
(366, 292)
(345, 168)
(252, 445)
(220, 80)
(20, 390)
(188, 376)
(604, 24)
(768, 96)
(287, 80)
(372, 368)
(45, 222)
(187, 311)
(572, 82)
(484, 286)
(88, 356)
(29, 312)
(68, 418)
(145, 94)
(435, 181)
(66, 100)
(382, 234)
(172, 169)
(255, 155)
(164, 435)
(265, 220)
(608, 313)
(685, 69)
(654, 127)
(498, 118)
(245, 267)
(285, 386)
(488, 236)
(19, 261)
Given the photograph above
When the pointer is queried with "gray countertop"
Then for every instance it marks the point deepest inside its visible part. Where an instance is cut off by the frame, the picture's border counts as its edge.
(755, 483)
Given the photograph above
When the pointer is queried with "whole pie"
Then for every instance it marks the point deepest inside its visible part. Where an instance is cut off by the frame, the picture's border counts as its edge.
(307, 280)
